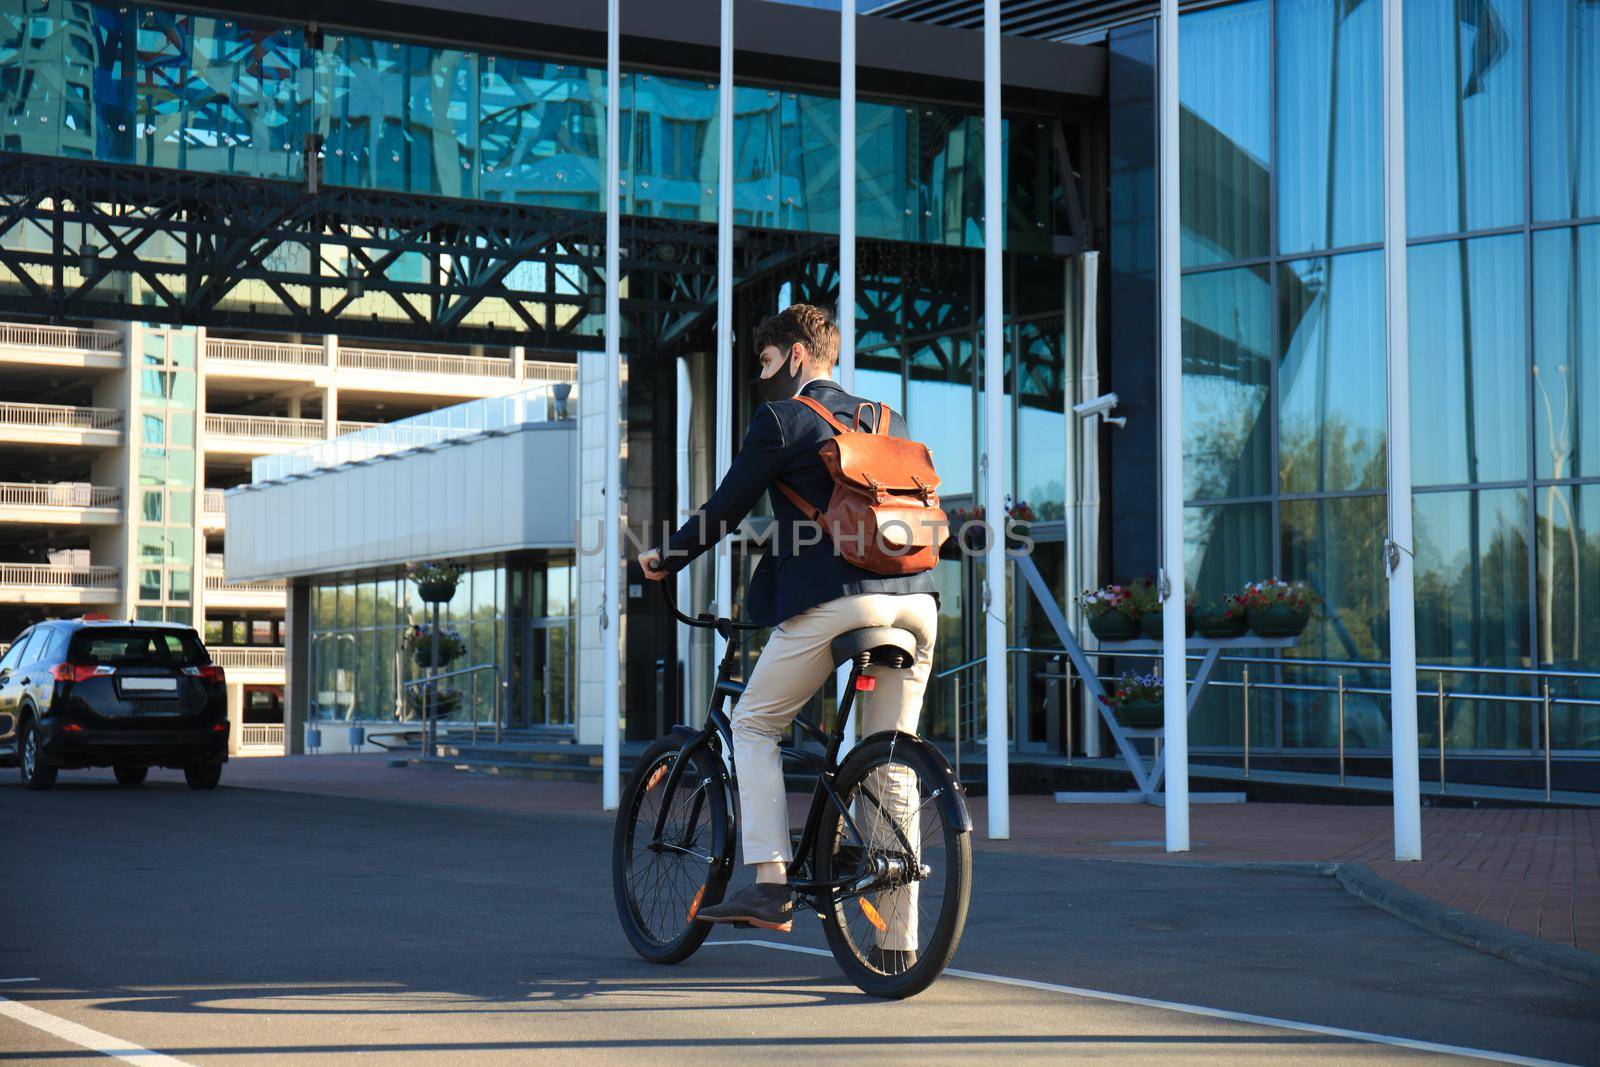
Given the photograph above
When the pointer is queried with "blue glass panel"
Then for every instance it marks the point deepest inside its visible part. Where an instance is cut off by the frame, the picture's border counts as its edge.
(1041, 419)
(1566, 352)
(1223, 548)
(1468, 362)
(1225, 132)
(1464, 115)
(1568, 606)
(1566, 109)
(1330, 124)
(541, 132)
(1227, 371)
(939, 403)
(1331, 418)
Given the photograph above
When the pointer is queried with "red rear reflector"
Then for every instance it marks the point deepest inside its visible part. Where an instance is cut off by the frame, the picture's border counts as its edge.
(72, 672)
(73, 728)
(219, 727)
(866, 683)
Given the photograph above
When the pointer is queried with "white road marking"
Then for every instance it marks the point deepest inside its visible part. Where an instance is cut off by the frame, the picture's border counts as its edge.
(14, 981)
(1196, 1009)
(82, 1036)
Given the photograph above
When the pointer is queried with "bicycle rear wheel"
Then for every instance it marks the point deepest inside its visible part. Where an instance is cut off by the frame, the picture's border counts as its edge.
(896, 927)
(659, 889)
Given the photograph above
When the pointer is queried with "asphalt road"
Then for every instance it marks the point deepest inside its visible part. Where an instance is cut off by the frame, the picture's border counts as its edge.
(246, 926)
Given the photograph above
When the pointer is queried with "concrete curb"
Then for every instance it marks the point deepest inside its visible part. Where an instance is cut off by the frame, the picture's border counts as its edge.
(1485, 936)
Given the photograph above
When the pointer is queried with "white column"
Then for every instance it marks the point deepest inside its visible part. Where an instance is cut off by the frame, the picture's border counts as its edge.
(1174, 667)
(611, 598)
(1397, 552)
(724, 338)
(994, 443)
(519, 357)
(847, 248)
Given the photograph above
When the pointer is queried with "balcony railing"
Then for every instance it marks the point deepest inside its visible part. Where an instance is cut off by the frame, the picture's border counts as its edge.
(261, 733)
(247, 658)
(383, 359)
(355, 427)
(50, 575)
(283, 355)
(265, 427)
(537, 370)
(214, 502)
(75, 337)
(546, 402)
(68, 495)
(215, 580)
(59, 417)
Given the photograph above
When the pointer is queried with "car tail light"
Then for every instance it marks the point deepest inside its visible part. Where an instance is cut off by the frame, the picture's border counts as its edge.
(219, 728)
(209, 672)
(72, 728)
(77, 672)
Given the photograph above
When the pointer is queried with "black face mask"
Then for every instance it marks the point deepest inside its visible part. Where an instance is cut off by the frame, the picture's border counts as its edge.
(783, 384)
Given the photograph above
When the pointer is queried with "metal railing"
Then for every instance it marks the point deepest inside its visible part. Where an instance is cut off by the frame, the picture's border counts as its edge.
(1538, 700)
(539, 370)
(261, 734)
(247, 658)
(61, 495)
(548, 402)
(346, 426)
(217, 580)
(430, 695)
(266, 427)
(60, 417)
(78, 337)
(52, 576)
(214, 502)
(391, 361)
(283, 355)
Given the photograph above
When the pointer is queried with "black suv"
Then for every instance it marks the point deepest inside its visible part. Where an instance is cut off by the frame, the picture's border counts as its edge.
(109, 693)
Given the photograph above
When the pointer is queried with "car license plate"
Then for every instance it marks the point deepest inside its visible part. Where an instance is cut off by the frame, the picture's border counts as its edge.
(150, 685)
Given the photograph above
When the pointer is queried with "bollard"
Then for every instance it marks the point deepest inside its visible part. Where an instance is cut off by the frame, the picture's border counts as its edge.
(1072, 709)
(1441, 735)
(1546, 729)
(1341, 729)
(1246, 691)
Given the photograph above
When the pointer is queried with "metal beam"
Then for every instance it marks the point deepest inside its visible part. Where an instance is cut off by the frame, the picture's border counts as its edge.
(611, 574)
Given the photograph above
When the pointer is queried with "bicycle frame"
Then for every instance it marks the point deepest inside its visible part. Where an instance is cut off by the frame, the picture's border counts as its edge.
(716, 736)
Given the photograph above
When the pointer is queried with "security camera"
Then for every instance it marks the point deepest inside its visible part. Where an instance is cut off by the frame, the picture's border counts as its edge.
(1102, 406)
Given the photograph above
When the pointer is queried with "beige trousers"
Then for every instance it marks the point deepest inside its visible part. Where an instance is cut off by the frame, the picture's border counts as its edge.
(792, 666)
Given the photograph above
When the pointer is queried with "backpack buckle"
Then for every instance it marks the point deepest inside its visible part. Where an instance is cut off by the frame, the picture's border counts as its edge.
(924, 491)
(877, 489)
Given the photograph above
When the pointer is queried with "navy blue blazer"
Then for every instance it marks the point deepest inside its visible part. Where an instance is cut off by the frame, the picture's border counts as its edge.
(794, 575)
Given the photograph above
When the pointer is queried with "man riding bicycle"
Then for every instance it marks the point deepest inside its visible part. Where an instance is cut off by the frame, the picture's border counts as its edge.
(804, 588)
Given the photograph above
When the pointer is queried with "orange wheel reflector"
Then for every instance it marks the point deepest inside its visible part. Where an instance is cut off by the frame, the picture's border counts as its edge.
(655, 777)
(866, 683)
(872, 915)
(694, 905)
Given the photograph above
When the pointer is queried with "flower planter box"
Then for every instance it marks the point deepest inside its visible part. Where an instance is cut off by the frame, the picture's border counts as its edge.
(1139, 715)
(1278, 621)
(1114, 626)
(1221, 627)
(1151, 623)
(436, 592)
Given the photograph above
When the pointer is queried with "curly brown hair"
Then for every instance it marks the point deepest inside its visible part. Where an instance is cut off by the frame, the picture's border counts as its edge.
(802, 324)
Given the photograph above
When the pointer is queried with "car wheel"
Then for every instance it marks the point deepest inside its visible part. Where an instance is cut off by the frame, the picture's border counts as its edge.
(203, 775)
(35, 775)
(130, 776)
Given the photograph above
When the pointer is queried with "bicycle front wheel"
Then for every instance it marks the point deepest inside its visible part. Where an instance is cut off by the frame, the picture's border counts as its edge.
(908, 871)
(660, 885)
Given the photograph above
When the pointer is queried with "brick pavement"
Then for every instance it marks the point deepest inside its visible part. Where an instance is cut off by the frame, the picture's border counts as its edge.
(1534, 870)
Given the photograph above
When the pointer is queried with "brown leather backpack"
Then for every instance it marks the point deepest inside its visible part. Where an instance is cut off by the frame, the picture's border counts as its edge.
(884, 515)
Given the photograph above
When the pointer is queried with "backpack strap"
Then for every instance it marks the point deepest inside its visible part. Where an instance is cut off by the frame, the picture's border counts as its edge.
(881, 427)
(827, 415)
(808, 509)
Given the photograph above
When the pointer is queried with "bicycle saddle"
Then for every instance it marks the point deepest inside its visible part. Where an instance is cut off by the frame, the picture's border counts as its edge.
(888, 646)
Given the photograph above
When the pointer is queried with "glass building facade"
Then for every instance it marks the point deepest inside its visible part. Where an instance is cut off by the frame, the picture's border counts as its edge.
(1283, 317)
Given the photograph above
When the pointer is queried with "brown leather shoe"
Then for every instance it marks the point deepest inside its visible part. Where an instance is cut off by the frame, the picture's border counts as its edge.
(768, 905)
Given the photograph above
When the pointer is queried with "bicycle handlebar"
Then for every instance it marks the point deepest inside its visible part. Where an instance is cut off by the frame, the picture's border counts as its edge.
(704, 620)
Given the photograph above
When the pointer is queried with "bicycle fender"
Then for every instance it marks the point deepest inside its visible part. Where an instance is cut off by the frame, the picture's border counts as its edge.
(952, 798)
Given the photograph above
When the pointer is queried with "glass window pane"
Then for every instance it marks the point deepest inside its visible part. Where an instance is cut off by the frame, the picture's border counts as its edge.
(151, 505)
(1566, 109)
(1566, 352)
(1464, 115)
(1225, 89)
(1227, 341)
(1472, 577)
(1332, 419)
(1225, 547)
(1041, 420)
(1468, 362)
(939, 403)
(1568, 608)
(1330, 124)
(149, 584)
(179, 585)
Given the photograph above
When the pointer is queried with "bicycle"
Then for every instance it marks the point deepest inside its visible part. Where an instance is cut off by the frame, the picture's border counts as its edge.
(892, 911)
